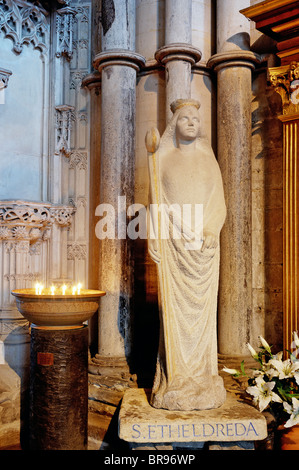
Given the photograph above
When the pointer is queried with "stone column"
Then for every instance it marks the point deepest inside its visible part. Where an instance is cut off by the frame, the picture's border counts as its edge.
(178, 55)
(233, 64)
(117, 64)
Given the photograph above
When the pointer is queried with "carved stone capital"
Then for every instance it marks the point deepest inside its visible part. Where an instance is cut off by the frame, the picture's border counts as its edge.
(233, 59)
(4, 77)
(30, 222)
(62, 215)
(118, 57)
(92, 80)
(285, 80)
(20, 220)
(178, 51)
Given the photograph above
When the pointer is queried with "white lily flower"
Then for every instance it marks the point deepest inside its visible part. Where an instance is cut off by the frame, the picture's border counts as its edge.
(278, 356)
(293, 410)
(272, 372)
(286, 368)
(262, 393)
(265, 344)
(230, 371)
(258, 372)
(253, 352)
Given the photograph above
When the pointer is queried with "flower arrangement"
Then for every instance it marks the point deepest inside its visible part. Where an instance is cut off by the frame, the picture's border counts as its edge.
(275, 384)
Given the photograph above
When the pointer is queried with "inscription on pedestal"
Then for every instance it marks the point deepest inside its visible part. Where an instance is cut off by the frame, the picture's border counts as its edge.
(193, 432)
(234, 421)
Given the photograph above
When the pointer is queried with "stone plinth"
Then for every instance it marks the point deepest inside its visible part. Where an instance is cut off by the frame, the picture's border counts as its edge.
(234, 421)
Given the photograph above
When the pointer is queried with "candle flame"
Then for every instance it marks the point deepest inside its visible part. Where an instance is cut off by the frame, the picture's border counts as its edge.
(75, 289)
(38, 288)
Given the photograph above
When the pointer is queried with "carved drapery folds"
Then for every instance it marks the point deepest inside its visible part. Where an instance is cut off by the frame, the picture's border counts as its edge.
(24, 23)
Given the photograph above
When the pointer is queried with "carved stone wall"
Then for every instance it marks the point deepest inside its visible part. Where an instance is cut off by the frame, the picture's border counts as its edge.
(44, 160)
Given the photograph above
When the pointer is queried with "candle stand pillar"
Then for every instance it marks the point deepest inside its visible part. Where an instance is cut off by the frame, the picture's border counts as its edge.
(59, 388)
(58, 415)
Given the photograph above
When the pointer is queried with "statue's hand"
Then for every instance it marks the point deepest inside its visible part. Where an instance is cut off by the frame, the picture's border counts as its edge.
(153, 250)
(210, 240)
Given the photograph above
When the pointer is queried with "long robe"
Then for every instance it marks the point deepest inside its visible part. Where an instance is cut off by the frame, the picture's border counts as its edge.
(187, 371)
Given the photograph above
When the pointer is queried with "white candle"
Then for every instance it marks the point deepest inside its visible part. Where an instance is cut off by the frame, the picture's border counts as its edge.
(74, 290)
(37, 288)
(52, 290)
(63, 289)
(79, 288)
(40, 289)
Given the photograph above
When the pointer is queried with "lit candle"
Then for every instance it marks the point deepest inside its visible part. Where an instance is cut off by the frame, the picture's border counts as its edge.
(37, 288)
(63, 289)
(74, 290)
(79, 288)
(52, 290)
(40, 288)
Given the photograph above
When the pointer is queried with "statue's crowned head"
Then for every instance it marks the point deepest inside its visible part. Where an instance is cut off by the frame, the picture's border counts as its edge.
(185, 123)
(180, 103)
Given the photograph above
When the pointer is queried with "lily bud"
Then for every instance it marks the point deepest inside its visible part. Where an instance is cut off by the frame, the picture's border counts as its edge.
(265, 344)
(252, 351)
(296, 339)
(230, 371)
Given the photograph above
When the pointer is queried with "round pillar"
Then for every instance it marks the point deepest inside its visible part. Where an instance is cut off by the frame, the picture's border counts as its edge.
(233, 64)
(117, 64)
(178, 59)
(178, 55)
(118, 71)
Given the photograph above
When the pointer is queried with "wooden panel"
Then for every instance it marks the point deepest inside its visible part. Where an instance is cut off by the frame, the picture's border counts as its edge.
(291, 230)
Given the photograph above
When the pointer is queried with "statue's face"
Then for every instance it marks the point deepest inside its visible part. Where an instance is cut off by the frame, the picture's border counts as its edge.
(187, 127)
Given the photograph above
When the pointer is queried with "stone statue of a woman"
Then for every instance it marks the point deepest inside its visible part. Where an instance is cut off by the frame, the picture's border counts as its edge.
(184, 173)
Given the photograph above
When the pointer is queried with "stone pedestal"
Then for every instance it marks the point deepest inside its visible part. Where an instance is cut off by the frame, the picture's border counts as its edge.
(142, 424)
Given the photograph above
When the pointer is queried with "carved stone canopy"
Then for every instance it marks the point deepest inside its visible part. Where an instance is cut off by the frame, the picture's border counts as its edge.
(50, 5)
